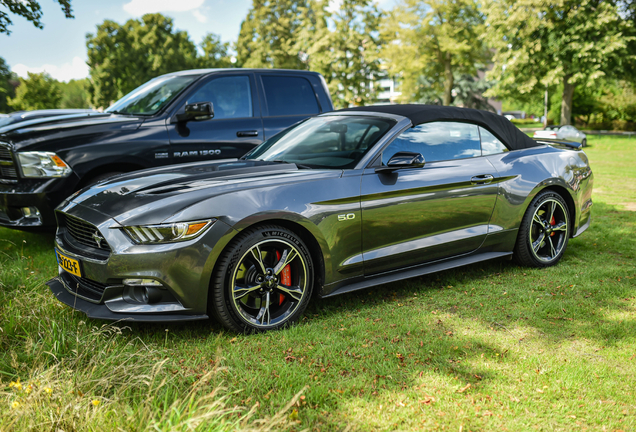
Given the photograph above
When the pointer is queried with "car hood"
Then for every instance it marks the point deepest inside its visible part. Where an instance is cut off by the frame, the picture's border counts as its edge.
(155, 195)
(33, 132)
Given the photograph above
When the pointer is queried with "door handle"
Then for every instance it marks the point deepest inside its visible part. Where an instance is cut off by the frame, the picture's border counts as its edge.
(482, 179)
(249, 133)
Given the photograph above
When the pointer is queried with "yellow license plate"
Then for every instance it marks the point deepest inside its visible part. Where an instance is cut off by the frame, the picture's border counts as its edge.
(69, 264)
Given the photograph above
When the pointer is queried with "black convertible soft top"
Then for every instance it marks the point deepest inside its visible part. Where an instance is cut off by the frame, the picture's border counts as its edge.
(500, 126)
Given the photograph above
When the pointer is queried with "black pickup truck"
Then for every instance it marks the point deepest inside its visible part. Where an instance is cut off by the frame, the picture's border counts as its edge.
(185, 116)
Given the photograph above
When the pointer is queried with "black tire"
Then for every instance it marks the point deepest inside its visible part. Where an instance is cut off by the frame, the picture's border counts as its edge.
(253, 289)
(584, 142)
(544, 231)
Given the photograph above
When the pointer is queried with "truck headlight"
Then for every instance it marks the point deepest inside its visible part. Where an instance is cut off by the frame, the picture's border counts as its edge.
(167, 233)
(42, 164)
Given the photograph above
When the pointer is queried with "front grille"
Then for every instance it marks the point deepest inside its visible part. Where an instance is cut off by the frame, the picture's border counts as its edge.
(83, 232)
(7, 168)
(84, 287)
(5, 153)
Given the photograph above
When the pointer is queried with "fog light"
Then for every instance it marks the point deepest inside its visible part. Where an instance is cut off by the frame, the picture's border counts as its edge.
(143, 282)
(31, 212)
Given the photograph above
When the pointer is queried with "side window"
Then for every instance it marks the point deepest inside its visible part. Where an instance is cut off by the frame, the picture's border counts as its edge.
(231, 97)
(437, 141)
(287, 95)
(490, 144)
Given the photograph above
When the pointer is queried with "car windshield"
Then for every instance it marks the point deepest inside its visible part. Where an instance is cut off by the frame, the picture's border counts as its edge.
(152, 96)
(325, 142)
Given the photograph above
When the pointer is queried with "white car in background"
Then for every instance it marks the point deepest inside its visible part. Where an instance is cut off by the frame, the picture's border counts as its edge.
(567, 132)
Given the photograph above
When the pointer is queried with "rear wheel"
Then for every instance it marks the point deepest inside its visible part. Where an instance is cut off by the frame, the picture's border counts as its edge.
(584, 142)
(264, 280)
(544, 231)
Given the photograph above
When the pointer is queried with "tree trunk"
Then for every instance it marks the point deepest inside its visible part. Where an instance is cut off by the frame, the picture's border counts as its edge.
(449, 80)
(566, 101)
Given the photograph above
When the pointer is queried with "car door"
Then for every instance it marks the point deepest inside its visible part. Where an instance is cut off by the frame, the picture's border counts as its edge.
(233, 131)
(288, 99)
(416, 215)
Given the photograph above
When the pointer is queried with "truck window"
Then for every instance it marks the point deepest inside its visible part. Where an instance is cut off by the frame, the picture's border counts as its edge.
(231, 97)
(288, 95)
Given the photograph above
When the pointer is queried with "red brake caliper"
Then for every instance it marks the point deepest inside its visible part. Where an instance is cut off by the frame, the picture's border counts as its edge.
(553, 223)
(285, 278)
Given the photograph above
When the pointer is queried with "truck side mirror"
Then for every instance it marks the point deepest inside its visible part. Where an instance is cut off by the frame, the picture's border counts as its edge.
(197, 111)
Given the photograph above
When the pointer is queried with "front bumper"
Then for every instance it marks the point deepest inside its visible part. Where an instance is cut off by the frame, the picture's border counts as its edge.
(43, 195)
(183, 270)
(101, 311)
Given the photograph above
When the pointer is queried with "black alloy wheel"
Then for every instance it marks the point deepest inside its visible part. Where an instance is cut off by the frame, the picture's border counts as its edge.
(264, 280)
(544, 231)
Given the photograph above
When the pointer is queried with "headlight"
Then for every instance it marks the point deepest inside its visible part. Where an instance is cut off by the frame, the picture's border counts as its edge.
(43, 164)
(167, 233)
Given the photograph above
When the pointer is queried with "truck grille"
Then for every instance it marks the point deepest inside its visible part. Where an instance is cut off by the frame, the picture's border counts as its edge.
(83, 287)
(83, 232)
(7, 168)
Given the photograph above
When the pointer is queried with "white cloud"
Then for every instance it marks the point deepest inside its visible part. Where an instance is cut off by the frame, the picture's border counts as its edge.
(199, 16)
(77, 69)
(141, 7)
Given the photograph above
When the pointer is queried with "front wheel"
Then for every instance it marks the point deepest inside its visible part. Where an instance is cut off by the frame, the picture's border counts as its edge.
(263, 281)
(544, 231)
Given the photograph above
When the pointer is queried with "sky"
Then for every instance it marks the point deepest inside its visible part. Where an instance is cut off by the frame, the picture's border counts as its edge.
(60, 48)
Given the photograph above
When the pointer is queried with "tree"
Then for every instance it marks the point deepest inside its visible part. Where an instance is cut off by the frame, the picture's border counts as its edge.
(74, 94)
(568, 42)
(344, 47)
(268, 35)
(431, 42)
(29, 9)
(37, 91)
(8, 83)
(215, 52)
(122, 57)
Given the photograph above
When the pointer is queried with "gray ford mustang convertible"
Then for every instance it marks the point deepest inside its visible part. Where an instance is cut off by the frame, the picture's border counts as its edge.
(339, 202)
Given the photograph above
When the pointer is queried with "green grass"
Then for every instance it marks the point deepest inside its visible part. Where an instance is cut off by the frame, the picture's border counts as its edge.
(485, 347)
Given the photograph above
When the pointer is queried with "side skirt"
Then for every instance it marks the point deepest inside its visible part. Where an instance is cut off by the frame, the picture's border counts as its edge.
(417, 271)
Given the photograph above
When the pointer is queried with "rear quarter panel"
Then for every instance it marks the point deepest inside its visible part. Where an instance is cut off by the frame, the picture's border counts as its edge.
(527, 172)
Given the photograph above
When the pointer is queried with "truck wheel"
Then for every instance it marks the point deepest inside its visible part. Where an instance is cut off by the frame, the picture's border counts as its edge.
(263, 281)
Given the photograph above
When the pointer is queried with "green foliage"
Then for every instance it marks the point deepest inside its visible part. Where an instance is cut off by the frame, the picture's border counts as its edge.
(431, 42)
(30, 10)
(38, 91)
(568, 42)
(74, 94)
(215, 53)
(469, 90)
(343, 46)
(267, 38)
(122, 57)
(8, 83)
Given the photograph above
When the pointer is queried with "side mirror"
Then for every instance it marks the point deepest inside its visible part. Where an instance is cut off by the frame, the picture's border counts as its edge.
(197, 111)
(402, 160)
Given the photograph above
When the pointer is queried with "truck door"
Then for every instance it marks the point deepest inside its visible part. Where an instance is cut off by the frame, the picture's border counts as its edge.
(233, 131)
(288, 99)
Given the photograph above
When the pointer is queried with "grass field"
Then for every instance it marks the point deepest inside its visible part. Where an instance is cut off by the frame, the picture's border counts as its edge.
(487, 347)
